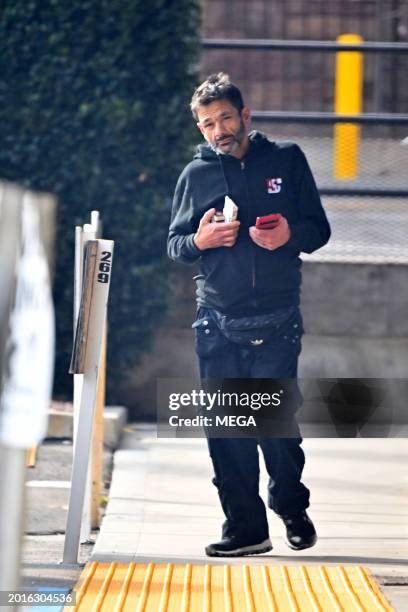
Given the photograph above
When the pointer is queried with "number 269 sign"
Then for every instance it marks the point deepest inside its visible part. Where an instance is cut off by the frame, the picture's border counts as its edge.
(104, 267)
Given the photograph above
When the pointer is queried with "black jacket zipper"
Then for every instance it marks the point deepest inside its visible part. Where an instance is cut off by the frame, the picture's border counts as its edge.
(253, 249)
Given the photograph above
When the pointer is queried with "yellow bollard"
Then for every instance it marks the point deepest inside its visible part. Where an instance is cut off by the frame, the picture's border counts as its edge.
(348, 101)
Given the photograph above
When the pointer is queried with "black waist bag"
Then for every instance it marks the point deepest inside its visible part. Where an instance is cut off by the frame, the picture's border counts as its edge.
(258, 329)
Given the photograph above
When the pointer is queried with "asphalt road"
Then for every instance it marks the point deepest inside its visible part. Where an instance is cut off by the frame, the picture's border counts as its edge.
(47, 497)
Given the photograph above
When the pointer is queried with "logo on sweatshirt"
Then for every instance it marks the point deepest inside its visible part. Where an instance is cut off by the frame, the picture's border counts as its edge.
(273, 185)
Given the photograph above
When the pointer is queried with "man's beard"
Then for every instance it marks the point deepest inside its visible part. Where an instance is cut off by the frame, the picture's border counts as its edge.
(233, 146)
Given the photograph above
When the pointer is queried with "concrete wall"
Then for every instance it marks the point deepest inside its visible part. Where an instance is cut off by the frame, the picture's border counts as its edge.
(355, 321)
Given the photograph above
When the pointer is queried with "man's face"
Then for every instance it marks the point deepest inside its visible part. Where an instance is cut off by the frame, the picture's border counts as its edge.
(224, 128)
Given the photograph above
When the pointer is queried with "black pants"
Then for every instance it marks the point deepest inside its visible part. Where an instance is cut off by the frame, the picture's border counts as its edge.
(236, 460)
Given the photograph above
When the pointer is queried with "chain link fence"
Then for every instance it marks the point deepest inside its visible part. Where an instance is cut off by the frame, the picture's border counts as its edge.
(289, 84)
(368, 213)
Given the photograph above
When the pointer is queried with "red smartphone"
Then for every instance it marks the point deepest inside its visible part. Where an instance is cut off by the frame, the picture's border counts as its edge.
(268, 221)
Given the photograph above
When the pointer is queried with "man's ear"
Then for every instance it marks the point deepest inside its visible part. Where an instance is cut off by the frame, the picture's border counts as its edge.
(246, 115)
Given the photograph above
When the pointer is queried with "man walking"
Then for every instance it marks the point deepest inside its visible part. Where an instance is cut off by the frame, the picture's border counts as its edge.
(250, 280)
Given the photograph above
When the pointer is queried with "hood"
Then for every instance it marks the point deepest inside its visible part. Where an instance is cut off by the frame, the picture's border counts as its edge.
(257, 141)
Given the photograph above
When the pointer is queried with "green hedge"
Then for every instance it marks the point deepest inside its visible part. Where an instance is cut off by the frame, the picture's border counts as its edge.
(94, 107)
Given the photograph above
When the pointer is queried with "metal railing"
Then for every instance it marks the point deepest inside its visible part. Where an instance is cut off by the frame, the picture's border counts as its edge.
(385, 69)
(317, 117)
(302, 45)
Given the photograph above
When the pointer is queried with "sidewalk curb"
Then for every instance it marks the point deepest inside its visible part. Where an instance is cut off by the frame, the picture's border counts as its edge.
(61, 424)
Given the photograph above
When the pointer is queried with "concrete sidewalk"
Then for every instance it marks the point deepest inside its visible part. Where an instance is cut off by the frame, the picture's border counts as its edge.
(163, 507)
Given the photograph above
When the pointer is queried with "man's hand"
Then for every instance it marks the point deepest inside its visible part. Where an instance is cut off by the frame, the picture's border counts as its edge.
(273, 238)
(212, 235)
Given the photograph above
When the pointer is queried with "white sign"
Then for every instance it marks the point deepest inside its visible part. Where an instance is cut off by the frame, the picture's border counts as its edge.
(29, 362)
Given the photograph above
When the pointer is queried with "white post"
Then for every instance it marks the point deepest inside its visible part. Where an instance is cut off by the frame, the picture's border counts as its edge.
(97, 315)
(12, 481)
(28, 374)
(82, 236)
(79, 262)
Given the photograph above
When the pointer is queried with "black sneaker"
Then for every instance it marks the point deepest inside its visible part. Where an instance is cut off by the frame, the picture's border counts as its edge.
(300, 531)
(230, 547)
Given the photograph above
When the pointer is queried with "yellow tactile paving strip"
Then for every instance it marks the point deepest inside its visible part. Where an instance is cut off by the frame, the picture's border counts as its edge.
(137, 587)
